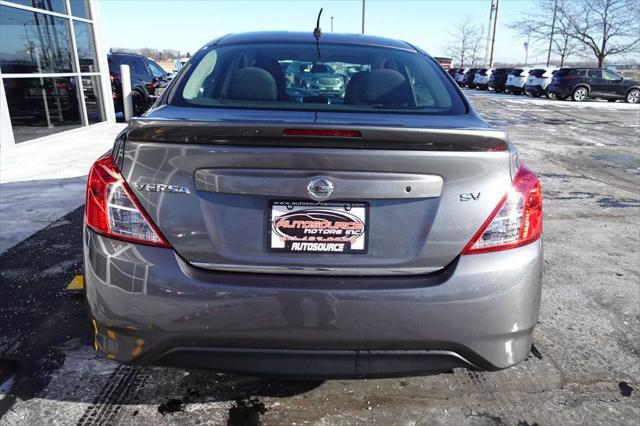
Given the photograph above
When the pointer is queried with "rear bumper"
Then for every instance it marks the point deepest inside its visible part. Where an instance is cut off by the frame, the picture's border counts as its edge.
(559, 90)
(513, 89)
(151, 307)
(315, 364)
(535, 90)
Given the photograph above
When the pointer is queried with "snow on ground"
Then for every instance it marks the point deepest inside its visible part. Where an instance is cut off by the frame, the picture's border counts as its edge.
(543, 101)
(43, 180)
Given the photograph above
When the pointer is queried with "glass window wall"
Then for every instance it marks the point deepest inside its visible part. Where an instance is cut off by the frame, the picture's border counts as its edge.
(49, 86)
(34, 42)
(42, 106)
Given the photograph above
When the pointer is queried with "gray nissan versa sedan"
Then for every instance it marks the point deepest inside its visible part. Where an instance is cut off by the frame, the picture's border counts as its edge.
(239, 228)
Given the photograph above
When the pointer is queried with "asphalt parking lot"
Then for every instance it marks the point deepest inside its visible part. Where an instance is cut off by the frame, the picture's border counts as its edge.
(584, 367)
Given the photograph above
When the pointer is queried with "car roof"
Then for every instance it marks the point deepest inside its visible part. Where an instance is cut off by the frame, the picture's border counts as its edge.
(307, 37)
(126, 54)
(582, 68)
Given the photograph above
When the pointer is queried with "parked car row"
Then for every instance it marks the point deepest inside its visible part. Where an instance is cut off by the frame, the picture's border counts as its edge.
(577, 84)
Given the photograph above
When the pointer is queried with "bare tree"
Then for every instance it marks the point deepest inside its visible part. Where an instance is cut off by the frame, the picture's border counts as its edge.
(465, 46)
(170, 54)
(149, 52)
(539, 25)
(606, 27)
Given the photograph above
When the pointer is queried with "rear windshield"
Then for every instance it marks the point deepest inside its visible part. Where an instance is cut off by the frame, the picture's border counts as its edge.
(537, 73)
(327, 77)
(517, 72)
(564, 71)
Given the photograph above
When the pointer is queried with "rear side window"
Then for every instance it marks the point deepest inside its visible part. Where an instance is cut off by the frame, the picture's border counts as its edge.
(328, 77)
(156, 69)
(114, 63)
(138, 67)
(610, 75)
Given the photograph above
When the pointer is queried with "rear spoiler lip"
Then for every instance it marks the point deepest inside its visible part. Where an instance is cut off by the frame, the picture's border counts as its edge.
(271, 134)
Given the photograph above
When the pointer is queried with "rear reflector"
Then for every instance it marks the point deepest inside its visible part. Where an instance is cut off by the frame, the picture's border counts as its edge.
(516, 220)
(111, 208)
(336, 133)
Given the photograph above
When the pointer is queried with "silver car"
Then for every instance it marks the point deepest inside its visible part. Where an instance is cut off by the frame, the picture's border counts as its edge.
(238, 228)
(323, 80)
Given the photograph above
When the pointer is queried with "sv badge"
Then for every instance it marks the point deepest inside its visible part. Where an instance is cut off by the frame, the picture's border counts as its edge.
(160, 187)
(469, 196)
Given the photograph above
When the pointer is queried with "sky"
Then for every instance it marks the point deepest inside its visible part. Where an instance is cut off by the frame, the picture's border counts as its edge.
(187, 25)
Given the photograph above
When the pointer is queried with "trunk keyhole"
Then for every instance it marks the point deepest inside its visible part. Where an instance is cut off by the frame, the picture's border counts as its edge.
(408, 189)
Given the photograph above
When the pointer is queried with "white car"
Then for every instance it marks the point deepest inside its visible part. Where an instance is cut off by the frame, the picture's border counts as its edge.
(516, 80)
(179, 64)
(538, 80)
(481, 80)
(460, 75)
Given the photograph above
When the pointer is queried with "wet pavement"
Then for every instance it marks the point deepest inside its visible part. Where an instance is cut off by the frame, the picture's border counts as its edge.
(584, 367)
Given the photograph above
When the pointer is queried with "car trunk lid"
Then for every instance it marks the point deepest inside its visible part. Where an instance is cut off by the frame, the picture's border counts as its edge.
(421, 192)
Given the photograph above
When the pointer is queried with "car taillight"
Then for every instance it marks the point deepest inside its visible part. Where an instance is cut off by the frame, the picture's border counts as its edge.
(517, 219)
(111, 208)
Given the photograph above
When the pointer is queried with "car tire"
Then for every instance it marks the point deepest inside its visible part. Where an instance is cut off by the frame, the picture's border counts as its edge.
(579, 94)
(633, 96)
(139, 103)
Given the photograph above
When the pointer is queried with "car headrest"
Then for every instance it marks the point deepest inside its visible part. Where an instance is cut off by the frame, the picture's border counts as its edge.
(273, 67)
(252, 84)
(385, 86)
(352, 92)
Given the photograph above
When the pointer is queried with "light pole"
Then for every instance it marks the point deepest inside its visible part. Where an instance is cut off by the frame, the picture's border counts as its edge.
(332, 24)
(486, 49)
(363, 16)
(553, 29)
(493, 36)
(26, 34)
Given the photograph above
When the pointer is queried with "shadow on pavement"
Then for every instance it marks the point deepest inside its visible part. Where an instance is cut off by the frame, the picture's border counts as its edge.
(45, 329)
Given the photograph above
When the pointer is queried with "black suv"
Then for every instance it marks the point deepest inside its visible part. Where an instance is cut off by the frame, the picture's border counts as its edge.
(498, 79)
(145, 76)
(468, 78)
(581, 83)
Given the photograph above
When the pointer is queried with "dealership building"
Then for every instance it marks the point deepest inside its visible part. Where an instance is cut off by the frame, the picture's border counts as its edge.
(54, 74)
